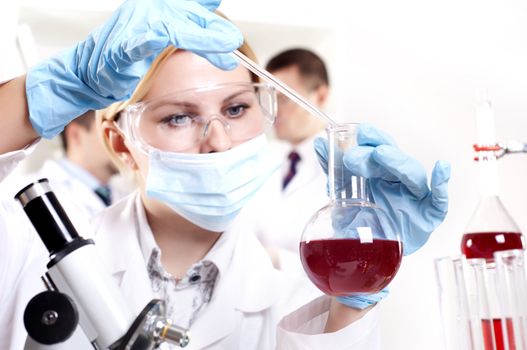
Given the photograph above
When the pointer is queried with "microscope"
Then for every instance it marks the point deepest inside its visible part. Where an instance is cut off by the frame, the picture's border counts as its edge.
(83, 308)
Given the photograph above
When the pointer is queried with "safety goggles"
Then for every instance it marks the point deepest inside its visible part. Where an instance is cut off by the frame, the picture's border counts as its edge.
(180, 121)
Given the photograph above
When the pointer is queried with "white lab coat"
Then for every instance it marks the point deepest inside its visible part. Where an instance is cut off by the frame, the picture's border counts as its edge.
(80, 201)
(248, 301)
(278, 217)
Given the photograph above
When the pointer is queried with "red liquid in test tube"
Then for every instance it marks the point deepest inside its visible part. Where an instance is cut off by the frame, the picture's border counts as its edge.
(499, 336)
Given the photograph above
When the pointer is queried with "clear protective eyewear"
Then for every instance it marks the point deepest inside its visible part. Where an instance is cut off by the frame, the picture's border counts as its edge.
(180, 121)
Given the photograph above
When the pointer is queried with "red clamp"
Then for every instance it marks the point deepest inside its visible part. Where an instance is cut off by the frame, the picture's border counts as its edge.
(485, 148)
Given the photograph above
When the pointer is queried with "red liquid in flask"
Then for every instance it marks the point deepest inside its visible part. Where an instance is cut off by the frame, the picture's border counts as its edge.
(343, 266)
(498, 334)
(484, 244)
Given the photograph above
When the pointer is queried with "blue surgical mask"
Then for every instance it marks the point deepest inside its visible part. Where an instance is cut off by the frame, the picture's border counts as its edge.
(210, 189)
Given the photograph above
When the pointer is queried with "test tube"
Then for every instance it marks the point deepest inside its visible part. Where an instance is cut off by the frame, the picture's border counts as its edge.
(464, 303)
(282, 87)
(452, 304)
(482, 324)
(511, 292)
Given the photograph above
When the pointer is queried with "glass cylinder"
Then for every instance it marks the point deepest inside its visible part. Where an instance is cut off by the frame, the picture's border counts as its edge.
(491, 228)
(453, 304)
(350, 246)
(465, 309)
(511, 292)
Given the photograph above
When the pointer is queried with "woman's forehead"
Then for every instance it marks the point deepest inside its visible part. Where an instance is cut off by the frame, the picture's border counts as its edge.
(184, 70)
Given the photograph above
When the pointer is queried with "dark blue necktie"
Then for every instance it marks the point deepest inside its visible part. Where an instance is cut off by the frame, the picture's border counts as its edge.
(294, 158)
(105, 194)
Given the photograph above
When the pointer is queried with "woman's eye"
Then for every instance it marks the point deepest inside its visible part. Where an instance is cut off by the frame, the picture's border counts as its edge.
(237, 110)
(177, 120)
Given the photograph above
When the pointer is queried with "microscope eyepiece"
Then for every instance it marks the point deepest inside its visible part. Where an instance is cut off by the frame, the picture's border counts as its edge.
(49, 218)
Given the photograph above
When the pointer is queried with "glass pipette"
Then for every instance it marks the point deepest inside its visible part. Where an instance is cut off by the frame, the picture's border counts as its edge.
(283, 88)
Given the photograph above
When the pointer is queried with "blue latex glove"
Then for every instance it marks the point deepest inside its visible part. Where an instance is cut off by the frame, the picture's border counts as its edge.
(398, 184)
(107, 66)
(363, 301)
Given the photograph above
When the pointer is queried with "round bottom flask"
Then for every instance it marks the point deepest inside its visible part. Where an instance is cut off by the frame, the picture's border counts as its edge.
(351, 246)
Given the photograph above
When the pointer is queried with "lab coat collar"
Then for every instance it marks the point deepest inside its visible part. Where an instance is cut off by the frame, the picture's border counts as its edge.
(220, 254)
(50, 170)
(249, 282)
(53, 167)
(77, 172)
(67, 188)
(63, 170)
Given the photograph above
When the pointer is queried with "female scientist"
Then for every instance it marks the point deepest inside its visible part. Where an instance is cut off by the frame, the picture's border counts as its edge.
(193, 136)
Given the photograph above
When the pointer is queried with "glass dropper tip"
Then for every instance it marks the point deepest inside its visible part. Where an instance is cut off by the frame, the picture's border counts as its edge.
(282, 87)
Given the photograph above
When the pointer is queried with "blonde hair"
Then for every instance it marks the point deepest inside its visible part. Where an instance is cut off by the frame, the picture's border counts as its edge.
(112, 112)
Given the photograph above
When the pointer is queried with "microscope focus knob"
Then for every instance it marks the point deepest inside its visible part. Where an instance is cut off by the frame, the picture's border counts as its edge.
(51, 317)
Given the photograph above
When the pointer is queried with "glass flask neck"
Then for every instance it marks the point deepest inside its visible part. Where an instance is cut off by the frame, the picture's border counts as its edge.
(490, 214)
(488, 175)
(344, 188)
(486, 136)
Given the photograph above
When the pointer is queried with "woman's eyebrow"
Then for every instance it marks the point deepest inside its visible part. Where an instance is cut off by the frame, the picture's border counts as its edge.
(179, 104)
(182, 103)
(236, 94)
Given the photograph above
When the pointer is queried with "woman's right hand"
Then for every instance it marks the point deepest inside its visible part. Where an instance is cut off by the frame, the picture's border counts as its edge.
(398, 184)
(107, 66)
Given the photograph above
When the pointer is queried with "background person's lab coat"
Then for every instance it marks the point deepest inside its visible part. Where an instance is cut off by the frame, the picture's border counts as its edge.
(279, 217)
(247, 303)
(79, 200)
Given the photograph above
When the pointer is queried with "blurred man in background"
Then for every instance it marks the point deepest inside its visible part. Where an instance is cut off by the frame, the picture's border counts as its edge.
(81, 178)
(85, 163)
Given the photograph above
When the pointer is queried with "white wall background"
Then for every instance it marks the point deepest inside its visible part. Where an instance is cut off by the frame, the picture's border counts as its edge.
(411, 67)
